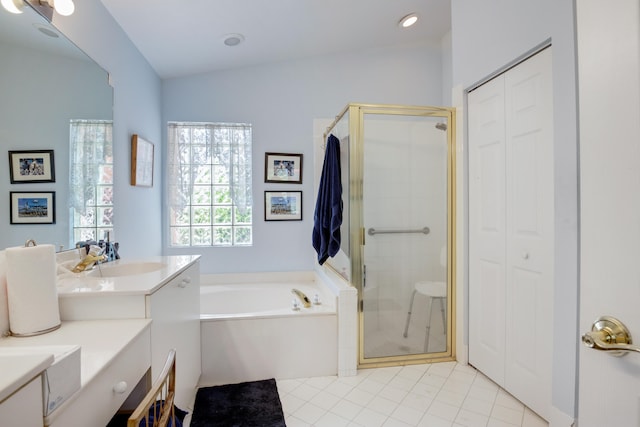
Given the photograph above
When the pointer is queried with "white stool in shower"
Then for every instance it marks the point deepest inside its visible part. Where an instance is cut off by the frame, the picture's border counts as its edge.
(432, 290)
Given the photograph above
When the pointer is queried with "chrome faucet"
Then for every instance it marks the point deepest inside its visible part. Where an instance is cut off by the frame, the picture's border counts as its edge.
(302, 297)
(95, 255)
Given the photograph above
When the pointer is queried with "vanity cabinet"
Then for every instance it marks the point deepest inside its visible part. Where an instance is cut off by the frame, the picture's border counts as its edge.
(13, 410)
(115, 357)
(100, 399)
(175, 311)
(170, 297)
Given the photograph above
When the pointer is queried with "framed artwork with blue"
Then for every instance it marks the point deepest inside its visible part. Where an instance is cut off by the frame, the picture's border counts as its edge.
(283, 205)
(32, 207)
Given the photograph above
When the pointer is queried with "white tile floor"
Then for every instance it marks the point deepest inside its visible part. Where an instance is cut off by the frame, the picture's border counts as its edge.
(434, 395)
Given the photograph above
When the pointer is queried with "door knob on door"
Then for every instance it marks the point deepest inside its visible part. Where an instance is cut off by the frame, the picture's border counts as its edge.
(611, 335)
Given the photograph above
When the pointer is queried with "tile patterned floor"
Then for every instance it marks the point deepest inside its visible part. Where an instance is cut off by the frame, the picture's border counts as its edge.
(434, 395)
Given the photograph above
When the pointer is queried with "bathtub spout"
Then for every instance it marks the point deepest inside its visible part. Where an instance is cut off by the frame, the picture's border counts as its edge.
(303, 298)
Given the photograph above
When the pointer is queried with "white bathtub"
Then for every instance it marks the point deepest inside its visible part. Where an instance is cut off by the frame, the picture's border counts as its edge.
(259, 300)
(249, 331)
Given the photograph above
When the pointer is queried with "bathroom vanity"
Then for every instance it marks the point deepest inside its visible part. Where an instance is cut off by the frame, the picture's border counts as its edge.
(163, 289)
(125, 316)
(115, 356)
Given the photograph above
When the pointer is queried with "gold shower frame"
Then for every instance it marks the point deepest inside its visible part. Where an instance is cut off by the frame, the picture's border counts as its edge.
(355, 113)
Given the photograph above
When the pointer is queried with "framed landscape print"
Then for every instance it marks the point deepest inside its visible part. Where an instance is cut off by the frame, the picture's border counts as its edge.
(29, 166)
(283, 205)
(32, 207)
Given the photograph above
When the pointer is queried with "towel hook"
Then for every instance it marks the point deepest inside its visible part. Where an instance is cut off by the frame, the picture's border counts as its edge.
(30, 242)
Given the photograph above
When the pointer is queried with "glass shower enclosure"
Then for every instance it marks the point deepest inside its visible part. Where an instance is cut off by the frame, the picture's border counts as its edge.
(398, 233)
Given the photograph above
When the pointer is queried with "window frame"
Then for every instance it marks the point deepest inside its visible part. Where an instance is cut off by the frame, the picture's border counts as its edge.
(210, 185)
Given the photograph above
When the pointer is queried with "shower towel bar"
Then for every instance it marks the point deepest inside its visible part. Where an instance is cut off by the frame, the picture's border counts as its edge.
(373, 231)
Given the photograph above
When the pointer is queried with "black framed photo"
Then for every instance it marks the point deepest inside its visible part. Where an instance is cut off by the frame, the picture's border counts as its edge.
(32, 207)
(283, 168)
(283, 205)
(29, 166)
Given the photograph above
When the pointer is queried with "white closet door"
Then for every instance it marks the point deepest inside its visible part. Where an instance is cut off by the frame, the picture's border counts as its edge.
(511, 230)
(529, 291)
(487, 229)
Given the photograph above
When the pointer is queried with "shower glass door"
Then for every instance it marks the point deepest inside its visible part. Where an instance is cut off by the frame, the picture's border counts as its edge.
(405, 291)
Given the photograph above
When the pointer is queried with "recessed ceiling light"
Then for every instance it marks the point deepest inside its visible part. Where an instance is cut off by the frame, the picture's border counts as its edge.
(233, 39)
(408, 20)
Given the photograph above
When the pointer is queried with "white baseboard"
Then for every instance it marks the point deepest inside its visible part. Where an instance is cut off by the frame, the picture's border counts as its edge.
(558, 418)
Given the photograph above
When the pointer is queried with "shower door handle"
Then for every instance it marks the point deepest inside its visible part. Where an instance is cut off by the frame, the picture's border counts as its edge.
(364, 275)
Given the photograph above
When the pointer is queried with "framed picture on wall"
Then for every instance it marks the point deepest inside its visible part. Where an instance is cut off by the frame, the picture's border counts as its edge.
(283, 205)
(283, 168)
(141, 162)
(31, 166)
(33, 207)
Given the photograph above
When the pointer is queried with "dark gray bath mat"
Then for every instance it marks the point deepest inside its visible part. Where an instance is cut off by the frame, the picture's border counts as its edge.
(249, 404)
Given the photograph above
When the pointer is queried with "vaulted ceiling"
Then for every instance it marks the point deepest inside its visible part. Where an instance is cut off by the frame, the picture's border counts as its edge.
(187, 37)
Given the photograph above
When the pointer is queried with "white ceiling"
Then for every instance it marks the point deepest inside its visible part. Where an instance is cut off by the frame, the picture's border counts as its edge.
(186, 37)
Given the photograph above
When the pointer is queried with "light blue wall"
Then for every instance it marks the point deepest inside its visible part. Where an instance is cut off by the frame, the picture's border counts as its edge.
(136, 109)
(486, 36)
(281, 100)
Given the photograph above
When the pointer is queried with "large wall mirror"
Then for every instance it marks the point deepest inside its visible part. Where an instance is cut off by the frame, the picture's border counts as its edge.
(45, 82)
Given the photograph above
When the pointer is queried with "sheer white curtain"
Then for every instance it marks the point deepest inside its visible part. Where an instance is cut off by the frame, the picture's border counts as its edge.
(193, 144)
(91, 147)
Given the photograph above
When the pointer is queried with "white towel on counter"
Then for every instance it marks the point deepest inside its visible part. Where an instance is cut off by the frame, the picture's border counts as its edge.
(31, 289)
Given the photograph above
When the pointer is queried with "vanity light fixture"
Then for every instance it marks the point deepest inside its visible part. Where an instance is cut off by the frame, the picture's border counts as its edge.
(62, 7)
(408, 20)
(13, 6)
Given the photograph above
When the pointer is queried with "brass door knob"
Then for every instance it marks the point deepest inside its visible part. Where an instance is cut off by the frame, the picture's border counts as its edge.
(610, 335)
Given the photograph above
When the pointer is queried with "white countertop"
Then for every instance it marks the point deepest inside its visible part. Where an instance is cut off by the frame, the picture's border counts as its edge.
(153, 273)
(16, 371)
(100, 341)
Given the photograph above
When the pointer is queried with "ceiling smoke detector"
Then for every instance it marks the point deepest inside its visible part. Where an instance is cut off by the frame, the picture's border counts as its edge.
(46, 30)
(233, 39)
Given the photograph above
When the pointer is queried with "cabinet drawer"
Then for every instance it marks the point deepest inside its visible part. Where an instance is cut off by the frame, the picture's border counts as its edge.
(24, 408)
(96, 403)
(102, 307)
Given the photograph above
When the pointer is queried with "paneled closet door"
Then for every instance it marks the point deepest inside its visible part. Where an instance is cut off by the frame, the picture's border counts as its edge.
(487, 223)
(519, 101)
(530, 232)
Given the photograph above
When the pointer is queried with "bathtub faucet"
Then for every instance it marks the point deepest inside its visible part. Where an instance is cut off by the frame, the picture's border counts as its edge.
(303, 298)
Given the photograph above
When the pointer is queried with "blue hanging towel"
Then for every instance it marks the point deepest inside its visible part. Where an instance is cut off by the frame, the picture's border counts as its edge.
(327, 217)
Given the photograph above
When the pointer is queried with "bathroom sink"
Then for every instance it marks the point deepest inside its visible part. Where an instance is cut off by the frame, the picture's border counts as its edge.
(116, 269)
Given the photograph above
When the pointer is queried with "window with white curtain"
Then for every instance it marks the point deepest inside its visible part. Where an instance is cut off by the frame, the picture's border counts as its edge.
(209, 184)
(91, 179)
